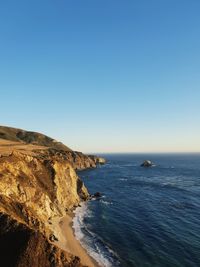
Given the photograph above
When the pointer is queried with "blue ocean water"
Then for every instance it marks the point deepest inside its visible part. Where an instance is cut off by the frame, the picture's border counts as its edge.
(147, 217)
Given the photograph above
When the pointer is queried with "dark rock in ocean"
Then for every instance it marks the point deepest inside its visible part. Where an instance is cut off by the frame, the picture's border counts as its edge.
(98, 160)
(147, 163)
(97, 195)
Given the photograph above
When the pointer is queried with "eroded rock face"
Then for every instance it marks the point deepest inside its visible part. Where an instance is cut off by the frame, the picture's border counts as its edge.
(35, 189)
(78, 160)
(34, 193)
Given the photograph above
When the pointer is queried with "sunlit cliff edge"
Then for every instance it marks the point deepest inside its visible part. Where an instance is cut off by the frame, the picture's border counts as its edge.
(38, 186)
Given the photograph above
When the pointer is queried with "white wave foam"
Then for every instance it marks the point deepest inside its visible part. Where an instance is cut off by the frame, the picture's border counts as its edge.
(106, 202)
(89, 241)
(123, 179)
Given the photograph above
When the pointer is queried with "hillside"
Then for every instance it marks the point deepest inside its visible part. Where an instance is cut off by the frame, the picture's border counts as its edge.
(27, 137)
(42, 146)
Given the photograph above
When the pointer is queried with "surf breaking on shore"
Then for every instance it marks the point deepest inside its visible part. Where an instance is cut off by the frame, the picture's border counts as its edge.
(91, 242)
(69, 243)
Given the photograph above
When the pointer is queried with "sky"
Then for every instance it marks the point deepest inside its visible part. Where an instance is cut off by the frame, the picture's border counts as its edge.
(103, 75)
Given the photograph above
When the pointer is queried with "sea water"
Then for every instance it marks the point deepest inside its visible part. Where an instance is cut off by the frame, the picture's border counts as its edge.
(147, 217)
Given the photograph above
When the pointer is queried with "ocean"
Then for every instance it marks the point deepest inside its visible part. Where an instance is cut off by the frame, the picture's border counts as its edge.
(147, 217)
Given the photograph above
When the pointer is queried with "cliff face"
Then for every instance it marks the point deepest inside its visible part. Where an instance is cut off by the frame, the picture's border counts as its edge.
(38, 186)
(78, 160)
(33, 195)
(32, 188)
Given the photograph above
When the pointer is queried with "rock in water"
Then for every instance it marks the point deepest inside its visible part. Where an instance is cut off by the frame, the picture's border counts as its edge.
(147, 163)
(101, 161)
(97, 195)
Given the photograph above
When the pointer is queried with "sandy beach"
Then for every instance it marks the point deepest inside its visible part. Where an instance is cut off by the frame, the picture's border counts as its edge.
(69, 243)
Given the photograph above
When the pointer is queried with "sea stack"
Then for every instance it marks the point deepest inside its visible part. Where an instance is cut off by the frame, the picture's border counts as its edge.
(147, 163)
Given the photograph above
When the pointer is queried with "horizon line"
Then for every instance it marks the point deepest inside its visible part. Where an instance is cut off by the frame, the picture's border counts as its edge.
(163, 152)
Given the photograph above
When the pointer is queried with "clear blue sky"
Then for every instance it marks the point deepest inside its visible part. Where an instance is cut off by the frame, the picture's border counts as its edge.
(103, 75)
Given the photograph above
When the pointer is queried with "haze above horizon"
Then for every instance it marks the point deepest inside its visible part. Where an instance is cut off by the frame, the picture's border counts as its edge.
(103, 76)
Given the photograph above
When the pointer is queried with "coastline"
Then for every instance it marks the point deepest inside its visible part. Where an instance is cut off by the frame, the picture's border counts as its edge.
(68, 242)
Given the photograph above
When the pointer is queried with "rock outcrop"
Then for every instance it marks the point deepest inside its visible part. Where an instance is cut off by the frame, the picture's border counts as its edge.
(147, 163)
(78, 160)
(38, 186)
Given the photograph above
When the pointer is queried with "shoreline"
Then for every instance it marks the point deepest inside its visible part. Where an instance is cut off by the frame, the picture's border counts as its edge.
(68, 242)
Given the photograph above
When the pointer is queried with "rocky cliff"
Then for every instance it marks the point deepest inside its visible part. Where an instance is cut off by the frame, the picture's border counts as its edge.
(38, 186)
(44, 147)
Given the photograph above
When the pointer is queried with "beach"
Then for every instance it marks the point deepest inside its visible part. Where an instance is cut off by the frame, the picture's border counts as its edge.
(68, 242)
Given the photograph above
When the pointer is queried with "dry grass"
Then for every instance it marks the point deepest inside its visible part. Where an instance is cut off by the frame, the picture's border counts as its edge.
(7, 147)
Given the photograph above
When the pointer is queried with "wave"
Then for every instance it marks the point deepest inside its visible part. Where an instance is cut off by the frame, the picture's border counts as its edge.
(123, 179)
(106, 202)
(93, 244)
